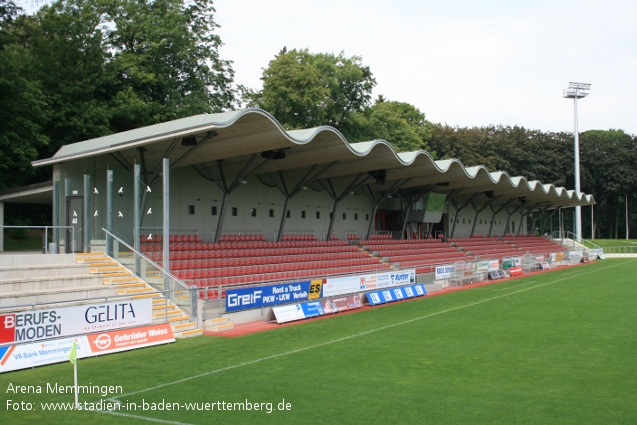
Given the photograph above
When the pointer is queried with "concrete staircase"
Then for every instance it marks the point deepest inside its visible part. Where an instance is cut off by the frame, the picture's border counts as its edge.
(75, 279)
(114, 274)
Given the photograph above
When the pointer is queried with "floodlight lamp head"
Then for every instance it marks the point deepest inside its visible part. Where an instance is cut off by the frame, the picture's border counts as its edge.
(577, 90)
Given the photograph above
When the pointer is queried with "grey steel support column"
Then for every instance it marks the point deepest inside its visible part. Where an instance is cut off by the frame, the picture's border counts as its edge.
(535, 216)
(56, 213)
(166, 216)
(284, 216)
(471, 199)
(509, 214)
(337, 199)
(136, 214)
(544, 225)
(478, 211)
(503, 206)
(87, 215)
(330, 228)
(222, 215)
(109, 212)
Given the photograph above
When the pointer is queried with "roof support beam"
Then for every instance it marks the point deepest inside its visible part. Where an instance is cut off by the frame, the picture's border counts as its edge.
(478, 211)
(542, 225)
(359, 180)
(312, 174)
(411, 203)
(503, 206)
(467, 202)
(367, 190)
(528, 211)
(509, 214)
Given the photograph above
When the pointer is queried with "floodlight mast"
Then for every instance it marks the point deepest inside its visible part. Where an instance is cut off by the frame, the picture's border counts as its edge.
(577, 91)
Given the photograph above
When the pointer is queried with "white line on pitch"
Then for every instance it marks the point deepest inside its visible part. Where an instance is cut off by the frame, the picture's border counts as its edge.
(516, 286)
(334, 341)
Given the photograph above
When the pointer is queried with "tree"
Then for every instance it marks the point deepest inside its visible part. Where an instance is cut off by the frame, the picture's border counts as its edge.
(401, 124)
(105, 67)
(166, 62)
(23, 106)
(304, 90)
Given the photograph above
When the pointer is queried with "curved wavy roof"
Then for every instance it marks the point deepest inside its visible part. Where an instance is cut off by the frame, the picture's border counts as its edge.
(239, 137)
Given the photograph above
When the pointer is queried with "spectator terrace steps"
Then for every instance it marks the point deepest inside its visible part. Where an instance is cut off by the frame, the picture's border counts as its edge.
(126, 283)
(219, 324)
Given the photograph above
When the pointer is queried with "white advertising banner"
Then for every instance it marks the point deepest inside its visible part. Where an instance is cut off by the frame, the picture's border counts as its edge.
(288, 313)
(352, 284)
(444, 272)
(22, 356)
(36, 325)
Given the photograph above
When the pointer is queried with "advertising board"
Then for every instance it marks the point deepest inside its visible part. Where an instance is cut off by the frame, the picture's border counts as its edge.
(36, 325)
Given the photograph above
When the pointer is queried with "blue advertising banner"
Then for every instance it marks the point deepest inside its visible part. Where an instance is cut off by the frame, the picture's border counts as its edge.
(395, 294)
(312, 309)
(263, 296)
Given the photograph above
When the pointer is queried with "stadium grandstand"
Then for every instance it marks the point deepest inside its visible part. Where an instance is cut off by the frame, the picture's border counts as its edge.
(195, 207)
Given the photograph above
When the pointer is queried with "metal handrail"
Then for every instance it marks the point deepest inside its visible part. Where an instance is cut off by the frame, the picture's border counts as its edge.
(46, 233)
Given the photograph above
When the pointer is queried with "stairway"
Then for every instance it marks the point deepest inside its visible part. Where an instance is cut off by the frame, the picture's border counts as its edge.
(115, 275)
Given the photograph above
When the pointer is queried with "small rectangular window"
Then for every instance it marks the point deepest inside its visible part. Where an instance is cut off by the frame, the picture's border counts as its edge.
(235, 211)
(191, 209)
(344, 216)
(302, 214)
(287, 214)
(213, 210)
(318, 215)
(331, 216)
(271, 213)
(367, 217)
(253, 212)
(355, 216)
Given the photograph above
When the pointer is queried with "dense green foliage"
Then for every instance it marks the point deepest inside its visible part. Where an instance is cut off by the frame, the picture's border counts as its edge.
(606, 164)
(79, 69)
(552, 348)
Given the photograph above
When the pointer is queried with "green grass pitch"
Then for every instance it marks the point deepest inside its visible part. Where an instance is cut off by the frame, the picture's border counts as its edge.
(551, 348)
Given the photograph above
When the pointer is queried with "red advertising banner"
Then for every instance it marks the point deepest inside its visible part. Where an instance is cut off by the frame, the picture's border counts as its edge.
(335, 305)
(128, 339)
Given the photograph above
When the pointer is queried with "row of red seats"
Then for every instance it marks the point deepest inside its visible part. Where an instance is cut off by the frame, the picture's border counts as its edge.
(285, 276)
(173, 238)
(400, 242)
(185, 255)
(227, 261)
(402, 251)
(383, 236)
(181, 246)
(270, 268)
(478, 239)
(298, 238)
(401, 258)
(241, 238)
(205, 264)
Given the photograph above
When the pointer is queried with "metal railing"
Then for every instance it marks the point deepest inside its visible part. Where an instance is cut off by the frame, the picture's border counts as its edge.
(152, 273)
(45, 236)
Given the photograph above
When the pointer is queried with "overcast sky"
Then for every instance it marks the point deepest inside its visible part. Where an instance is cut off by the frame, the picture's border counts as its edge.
(461, 62)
